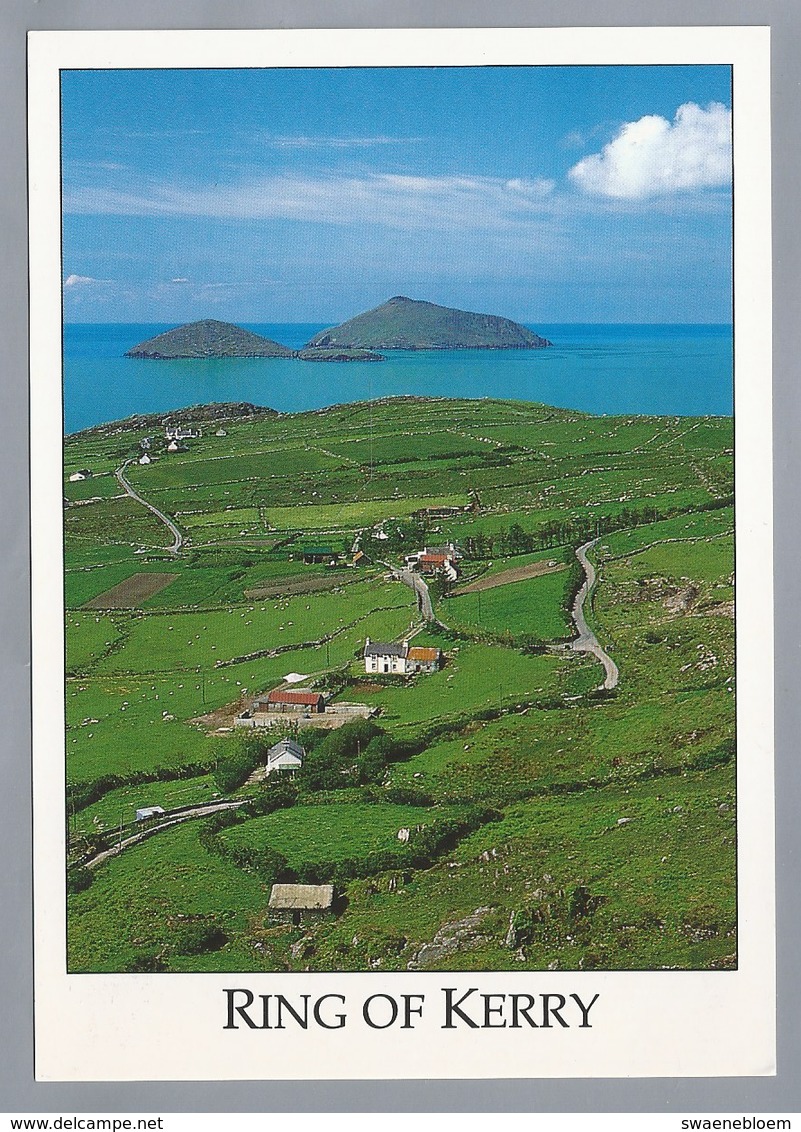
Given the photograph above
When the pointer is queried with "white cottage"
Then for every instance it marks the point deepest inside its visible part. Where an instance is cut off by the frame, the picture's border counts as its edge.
(286, 755)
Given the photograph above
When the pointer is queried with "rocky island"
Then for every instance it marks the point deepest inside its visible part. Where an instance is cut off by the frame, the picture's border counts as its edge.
(209, 339)
(410, 324)
(338, 354)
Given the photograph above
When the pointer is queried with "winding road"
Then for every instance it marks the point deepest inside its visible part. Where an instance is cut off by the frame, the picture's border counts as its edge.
(416, 583)
(586, 640)
(178, 538)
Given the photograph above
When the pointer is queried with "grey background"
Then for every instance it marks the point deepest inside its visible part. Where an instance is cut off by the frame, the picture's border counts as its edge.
(18, 1091)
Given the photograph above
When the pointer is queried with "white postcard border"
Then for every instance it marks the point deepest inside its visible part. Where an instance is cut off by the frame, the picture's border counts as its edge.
(170, 1027)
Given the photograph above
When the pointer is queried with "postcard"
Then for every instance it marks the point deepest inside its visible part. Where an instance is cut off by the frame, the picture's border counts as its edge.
(400, 406)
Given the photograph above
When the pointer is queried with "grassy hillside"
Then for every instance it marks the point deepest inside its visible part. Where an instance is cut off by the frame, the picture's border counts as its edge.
(551, 825)
(409, 324)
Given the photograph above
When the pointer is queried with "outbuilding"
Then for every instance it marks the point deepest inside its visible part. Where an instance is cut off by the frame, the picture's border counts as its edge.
(148, 812)
(421, 659)
(292, 699)
(294, 903)
(314, 555)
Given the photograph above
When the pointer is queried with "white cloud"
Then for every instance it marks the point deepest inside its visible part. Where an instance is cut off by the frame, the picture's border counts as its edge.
(302, 141)
(77, 280)
(652, 156)
(389, 199)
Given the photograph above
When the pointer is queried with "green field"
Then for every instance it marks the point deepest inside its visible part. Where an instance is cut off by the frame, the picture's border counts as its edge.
(337, 830)
(536, 607)
(553, 826)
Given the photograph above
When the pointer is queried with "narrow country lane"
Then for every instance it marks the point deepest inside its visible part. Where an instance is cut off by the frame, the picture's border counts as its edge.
(178, 538)
(186, 815)
(415, 582)
(586, 640)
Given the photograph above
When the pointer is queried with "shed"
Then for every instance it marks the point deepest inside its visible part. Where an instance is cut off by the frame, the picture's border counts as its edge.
(293, 903)
(148, 812)
(317, 554)
(423, 659)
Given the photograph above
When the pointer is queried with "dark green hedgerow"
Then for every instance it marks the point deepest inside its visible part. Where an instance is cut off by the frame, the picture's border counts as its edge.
(574, 531)
(83, 794)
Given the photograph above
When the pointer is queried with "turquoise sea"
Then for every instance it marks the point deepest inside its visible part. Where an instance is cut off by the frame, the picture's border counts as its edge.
(675, 370)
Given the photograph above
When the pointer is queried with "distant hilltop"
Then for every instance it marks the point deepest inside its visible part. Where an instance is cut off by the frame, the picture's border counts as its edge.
(209, 339)
(411, 324)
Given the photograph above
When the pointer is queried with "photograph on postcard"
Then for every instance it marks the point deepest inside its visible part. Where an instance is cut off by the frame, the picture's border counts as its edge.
(399, 519)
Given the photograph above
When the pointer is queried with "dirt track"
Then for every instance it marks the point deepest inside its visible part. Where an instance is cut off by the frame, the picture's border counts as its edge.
(506, 577)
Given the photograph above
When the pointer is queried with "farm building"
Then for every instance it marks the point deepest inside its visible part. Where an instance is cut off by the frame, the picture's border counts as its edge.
(385, 657)
(176, 433)
(313, 555)
(148, 812)
(144, 459)
(423, 659)
(436, 560)
(294, 903)
(291, 699)
(286, 755)
(440, 512)
(399, 659)
(360, 559)
(83, 474)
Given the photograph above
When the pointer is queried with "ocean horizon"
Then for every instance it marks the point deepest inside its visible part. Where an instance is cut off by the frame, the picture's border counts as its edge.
(657, 369)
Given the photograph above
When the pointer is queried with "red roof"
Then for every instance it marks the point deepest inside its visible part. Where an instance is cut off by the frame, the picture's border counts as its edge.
(279, 696)
(424, 655)
(433, 559)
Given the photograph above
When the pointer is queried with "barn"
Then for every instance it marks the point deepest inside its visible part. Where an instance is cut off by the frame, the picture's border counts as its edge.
(292, 699)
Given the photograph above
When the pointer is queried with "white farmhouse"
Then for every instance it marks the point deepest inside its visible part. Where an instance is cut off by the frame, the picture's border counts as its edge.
(385, 658)
(402, 659)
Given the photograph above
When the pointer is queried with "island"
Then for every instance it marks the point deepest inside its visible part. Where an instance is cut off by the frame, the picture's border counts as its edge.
(411, 324)
(208, 338)
(338, 354)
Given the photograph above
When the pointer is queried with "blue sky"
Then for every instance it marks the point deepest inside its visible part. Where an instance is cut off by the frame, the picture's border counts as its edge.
(545, 194)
